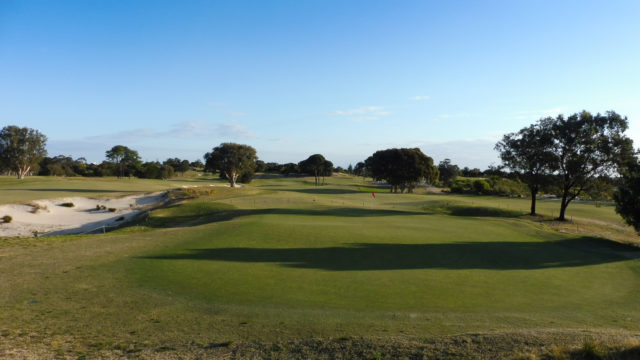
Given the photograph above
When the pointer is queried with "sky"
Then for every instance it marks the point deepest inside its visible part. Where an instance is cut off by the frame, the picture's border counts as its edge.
(296, 78)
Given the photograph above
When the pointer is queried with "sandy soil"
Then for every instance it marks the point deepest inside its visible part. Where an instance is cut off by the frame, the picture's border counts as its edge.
(50, 217)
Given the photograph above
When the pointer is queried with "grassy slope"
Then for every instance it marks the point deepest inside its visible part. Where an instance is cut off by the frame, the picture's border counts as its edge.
(39, 187)
(282, 260)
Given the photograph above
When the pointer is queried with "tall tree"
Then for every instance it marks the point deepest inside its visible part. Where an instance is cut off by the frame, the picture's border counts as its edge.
(124, 158)
(448, 171)
(21, 149)
(402, 168)
(317, 166)
(529, 152)
(587, 146)
(232, 160)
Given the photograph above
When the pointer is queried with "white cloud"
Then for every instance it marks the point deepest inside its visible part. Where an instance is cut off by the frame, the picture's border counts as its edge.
(234, 130)
(420, 97)
(364, 113)
(181, 130)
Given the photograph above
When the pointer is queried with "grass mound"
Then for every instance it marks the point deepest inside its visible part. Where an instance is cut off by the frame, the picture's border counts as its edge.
(456, 209)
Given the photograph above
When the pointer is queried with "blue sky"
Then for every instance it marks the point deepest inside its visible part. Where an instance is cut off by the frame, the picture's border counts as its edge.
(294, 78)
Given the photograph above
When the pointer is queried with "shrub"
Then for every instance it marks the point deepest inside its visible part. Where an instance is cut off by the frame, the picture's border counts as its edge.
(7, 219)
(68, 204)
(36, 207)
(113, 209)
(481, 187)
(100, 207)
(462, 186)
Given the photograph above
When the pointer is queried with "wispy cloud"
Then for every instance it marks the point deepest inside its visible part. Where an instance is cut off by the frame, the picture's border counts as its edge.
(182, 130)
(364, 113)
(420, 98)
(234, 130)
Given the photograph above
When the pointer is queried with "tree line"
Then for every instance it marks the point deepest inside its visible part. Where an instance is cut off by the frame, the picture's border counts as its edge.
(574, 155)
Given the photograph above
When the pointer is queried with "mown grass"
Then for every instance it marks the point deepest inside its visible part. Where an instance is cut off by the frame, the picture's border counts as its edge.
(284, 269)
(47, 187)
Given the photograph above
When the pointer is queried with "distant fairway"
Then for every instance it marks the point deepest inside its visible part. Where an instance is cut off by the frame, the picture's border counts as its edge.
(281, 260)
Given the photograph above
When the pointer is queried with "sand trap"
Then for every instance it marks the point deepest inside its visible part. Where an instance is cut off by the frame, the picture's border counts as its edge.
(54, 219)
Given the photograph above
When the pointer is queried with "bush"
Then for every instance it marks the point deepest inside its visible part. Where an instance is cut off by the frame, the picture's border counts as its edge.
(462, 186)
(481, 187)
(113, 209)
(7, 219)
(68, 204)
(507, 187)
(100, 207)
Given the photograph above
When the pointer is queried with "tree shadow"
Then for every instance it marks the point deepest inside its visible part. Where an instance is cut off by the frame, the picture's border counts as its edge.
(483, 211)
(218, 215)
(325, 191)
(508, 255)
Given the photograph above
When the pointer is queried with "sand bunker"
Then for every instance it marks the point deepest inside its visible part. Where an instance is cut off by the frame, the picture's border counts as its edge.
(74, 215)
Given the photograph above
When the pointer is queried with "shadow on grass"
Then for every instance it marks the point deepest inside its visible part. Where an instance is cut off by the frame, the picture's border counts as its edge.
(324, 191)
(507, 255)
(227, 213)
(471, 210)
(483, 211)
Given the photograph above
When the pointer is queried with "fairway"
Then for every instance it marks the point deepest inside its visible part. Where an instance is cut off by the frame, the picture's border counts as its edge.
(281, 260)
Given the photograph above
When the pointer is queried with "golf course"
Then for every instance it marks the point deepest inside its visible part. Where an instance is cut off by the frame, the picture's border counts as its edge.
(281, 268)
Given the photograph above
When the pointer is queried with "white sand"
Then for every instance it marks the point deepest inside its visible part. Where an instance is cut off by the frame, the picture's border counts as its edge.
(54, 219)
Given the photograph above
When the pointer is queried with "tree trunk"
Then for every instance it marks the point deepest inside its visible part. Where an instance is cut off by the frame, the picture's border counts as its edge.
(232, 179)
(563, 206)
(534, 193)
(22, 172)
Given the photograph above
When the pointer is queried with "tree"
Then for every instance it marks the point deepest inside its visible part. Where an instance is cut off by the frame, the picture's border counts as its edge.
(232, 160)
(448, 172)
(627, 195)
(530, 153)
(360, 170)
(317, 166)
(402, 168)
(197, 164)
(178, 165)
(124, 158)
(587, 146)
(21, 149)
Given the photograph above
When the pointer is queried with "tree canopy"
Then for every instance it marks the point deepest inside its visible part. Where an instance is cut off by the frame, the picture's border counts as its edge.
(233, 161)
(317, 166)
(126, 159)
(587, 146)
(530, 153)
(21, 149)
(448, 171)
(402, 168)
(573, 151)
(627, 195)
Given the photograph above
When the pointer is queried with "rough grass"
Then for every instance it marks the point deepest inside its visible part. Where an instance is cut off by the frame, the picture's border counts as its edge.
(281, 269)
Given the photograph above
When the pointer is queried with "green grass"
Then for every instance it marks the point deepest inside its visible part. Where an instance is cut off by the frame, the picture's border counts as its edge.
(283, 262)
(13, 190)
